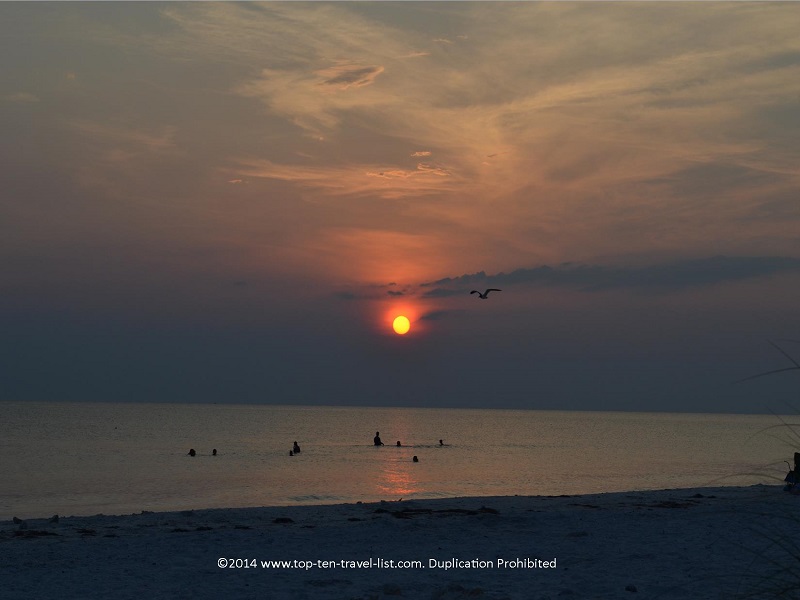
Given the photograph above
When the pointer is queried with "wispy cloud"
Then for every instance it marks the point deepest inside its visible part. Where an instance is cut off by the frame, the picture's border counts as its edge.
(22, 98)
(128, 137)
(355, 180)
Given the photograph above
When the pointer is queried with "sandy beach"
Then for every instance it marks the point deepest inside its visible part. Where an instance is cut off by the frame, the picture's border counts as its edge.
(724, 542)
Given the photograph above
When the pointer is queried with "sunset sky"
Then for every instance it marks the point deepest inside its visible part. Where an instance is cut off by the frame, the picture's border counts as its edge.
(230, 202)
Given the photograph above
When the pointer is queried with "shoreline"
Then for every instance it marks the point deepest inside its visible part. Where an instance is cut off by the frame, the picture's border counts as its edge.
(680, 543)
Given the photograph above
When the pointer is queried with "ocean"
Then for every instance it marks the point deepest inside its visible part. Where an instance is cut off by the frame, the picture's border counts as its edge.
(106, 458)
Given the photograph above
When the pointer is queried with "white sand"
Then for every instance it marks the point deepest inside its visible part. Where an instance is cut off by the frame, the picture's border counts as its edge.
(686, 544)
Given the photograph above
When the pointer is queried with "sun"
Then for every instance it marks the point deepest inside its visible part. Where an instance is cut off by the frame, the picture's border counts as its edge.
(401, 325)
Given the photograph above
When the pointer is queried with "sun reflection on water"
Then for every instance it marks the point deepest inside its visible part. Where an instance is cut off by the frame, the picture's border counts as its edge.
(397, 479)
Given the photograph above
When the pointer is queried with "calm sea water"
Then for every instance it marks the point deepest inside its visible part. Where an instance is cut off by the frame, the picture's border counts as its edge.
(84, 459)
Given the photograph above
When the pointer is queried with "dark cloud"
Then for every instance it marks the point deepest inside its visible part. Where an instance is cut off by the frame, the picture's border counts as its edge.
(438, 315)
(345, 296)
(670, 276)
(346, 76)
(391, 293)
(442, 293)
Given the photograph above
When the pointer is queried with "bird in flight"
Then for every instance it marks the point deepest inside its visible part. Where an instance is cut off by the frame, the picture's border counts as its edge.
(485, 294)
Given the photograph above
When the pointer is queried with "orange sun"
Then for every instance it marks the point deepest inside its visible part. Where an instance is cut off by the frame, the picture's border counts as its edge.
(401, 325)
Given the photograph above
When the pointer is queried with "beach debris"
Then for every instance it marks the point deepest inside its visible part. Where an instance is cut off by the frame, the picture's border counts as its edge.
(53, 519)
(32, 533)
(18, 521)
(631, 588)
(485, 294)
(672, 504)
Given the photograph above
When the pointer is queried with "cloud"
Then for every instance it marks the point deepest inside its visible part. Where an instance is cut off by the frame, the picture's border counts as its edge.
(420, 153)
(672, 276)
(346, 76)
(346, 296)
(128, 137)
(442, 292)
(354, 179)
(438, 315)
(433, 169)
(22, 98)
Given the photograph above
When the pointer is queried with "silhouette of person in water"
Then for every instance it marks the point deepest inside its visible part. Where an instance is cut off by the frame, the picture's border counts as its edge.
(441, 442)
(398, 443)
(415, 459)
(291, 453)
(192, 452)
(377, 439)
(296, 448)
(214, 452)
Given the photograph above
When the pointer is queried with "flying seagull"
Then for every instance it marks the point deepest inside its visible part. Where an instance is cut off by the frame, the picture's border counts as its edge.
(485, 294)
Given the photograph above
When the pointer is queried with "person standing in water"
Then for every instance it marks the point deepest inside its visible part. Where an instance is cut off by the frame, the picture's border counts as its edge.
(377, 439)
(296, 448)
